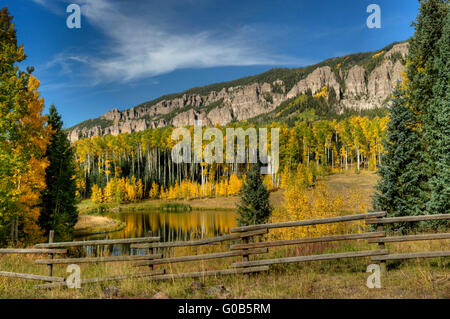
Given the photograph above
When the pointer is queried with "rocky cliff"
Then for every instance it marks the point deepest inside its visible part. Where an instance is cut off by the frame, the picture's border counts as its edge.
(360, 81)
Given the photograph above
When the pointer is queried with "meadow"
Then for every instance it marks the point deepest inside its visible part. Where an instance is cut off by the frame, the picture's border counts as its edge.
(344, 278)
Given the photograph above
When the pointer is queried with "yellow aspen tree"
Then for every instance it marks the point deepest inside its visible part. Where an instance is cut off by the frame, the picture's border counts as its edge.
(268, 182)
(154, 191)
(97, 195)
(235, 185)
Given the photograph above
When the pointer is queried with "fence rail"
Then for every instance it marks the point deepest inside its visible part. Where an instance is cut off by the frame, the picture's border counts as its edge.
(308, 240)
(405, 219)
(201, 242)
(21, 251)
(393, 239)
(157, 275)
(104, 279)
(264, 262)
(428, 254)
(98, 242)
(96, 259)
(6, 251)
(309, 222)
(380, 222)
(30, 276)
(150, 259)
(202, 257)
(243, 249)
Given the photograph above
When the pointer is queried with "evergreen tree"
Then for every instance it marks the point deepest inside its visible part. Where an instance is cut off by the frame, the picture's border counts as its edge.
(422, 77)
(58, 199)
(24, 137)
(423, 51)
(437, 128)
(415, 176)
(254, 207)
(403, 176)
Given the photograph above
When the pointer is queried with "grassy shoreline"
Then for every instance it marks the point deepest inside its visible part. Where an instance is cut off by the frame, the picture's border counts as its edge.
(197, 204)
(94, 225)
(364, 181)
(344, 278)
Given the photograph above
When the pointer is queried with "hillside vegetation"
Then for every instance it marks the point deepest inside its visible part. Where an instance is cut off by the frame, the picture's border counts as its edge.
(289, 77)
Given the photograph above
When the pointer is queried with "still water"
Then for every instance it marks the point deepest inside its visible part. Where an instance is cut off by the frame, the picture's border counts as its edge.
(169, 226)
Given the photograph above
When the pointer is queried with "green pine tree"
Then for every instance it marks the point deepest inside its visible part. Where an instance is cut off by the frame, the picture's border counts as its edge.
(422, 75)
(59, 212)
(403, 176)
(415, 175)
(437, 128)
(254, 207)
(423, 51)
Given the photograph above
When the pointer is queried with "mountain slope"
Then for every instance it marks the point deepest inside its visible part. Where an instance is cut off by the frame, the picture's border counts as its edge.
(357, 81)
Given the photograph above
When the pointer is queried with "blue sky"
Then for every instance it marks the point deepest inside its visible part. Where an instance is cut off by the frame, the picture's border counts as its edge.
(129, 52)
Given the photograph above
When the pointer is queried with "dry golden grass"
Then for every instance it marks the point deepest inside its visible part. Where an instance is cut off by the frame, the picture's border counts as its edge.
(88, 224)
(89, 221)
(345, 278)
(364, 183)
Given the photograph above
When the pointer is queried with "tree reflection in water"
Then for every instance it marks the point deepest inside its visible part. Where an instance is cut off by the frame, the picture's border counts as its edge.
(179, 226)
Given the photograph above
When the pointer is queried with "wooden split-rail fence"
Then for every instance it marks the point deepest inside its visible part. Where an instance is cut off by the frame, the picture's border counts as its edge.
(156, 253)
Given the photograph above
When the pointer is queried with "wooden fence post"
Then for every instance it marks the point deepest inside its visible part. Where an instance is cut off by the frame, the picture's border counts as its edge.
(245, 257)
(51, 237)
(150, 250)
(381, 245)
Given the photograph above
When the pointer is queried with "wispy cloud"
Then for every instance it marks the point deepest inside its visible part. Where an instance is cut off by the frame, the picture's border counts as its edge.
(52, 5)
(139, 47)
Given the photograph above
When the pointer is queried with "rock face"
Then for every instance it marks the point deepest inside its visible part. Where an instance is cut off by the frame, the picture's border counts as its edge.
(356, 81)
(355, 88)
(315, 81)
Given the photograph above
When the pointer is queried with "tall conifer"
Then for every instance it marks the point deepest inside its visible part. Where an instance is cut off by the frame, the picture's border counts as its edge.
(58, 199)
(415, 173)
(254, 207)
(437, 128)
(403, 176)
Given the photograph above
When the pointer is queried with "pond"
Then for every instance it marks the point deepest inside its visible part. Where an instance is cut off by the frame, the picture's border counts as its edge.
(169, 226)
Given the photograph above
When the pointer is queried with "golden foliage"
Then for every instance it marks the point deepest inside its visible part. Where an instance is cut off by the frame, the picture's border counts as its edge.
(154, 191)
(377, 55)
(302, 203)
(268, 182)
(189, 190)
(235, 185)
(29, 167)
(119, 190)
(97, 194)
(322, 93)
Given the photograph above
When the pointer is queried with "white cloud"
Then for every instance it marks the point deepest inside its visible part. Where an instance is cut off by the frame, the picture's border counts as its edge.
(51, 5)
(139, 47)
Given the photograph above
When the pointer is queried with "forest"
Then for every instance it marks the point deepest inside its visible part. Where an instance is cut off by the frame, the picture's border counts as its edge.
(142, 160)
(43, 177)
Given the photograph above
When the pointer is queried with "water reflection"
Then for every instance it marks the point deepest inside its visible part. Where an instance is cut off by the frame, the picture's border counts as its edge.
(168, 226)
